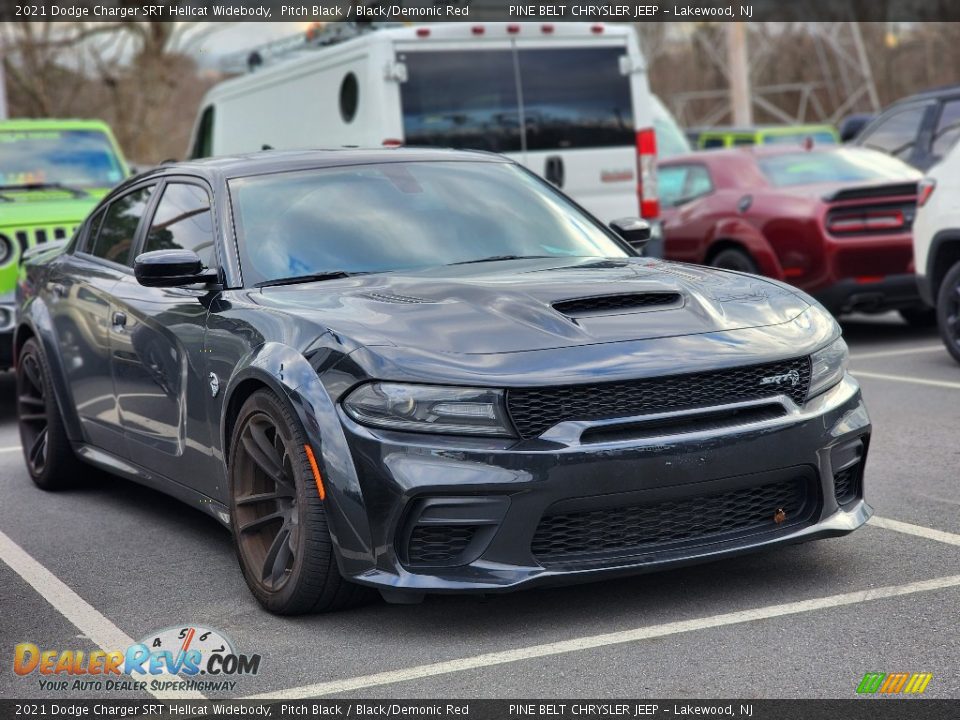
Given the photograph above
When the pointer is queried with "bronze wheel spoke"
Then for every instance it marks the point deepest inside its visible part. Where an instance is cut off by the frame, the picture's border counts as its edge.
(277, 557)
(281, 493)
(262, 521)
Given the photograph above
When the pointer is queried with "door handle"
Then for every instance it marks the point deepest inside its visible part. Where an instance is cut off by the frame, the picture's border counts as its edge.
(119, 319)
(553, 170)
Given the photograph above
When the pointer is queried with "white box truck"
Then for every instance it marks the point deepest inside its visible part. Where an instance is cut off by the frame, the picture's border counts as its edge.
(570, 101)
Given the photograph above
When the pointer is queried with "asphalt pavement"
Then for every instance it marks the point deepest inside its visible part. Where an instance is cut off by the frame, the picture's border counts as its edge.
(114, 561)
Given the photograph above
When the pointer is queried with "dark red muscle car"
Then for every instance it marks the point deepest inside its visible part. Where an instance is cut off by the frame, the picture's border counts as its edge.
(834, 221)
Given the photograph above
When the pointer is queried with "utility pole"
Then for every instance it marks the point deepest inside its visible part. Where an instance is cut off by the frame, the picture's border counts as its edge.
(741, 106)
(3, 91)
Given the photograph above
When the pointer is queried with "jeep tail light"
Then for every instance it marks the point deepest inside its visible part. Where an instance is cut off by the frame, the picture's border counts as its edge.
(866, 222)
(647, 174)
(925, 190)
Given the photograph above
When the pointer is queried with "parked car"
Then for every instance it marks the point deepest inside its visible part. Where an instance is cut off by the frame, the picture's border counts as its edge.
(919, 129)
(52, 173)
(430, 371)
(571, 101)
(720, 137)
(936, 245)
(832, 221)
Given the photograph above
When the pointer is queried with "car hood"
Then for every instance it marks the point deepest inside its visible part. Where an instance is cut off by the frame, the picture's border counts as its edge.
(45, 208)
(516, 306)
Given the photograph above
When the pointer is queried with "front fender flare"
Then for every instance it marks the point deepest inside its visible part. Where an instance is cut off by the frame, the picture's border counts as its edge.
(288, 373)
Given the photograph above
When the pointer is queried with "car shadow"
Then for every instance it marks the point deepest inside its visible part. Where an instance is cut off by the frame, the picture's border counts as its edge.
(865, 330)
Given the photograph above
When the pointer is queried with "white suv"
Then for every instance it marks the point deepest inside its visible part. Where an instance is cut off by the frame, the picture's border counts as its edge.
(936, 246)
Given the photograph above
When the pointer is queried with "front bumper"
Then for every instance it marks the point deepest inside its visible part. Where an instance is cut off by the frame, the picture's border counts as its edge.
(894, 292)
(503, 489)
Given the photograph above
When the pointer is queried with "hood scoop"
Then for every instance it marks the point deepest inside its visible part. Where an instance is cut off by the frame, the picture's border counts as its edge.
(616, 304)
(395, 299)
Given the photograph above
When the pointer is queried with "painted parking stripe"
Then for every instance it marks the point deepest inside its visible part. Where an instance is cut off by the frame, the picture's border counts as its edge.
(904, 379)
(895, 353)
(597, 641)
(74, 608)
(916, 530)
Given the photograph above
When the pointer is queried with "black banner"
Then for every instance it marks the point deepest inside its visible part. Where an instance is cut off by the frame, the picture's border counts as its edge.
(479, 10)
(855, 709)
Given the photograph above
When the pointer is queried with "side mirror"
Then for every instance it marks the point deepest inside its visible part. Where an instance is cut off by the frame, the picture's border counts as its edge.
(634, 230)
(171, 268)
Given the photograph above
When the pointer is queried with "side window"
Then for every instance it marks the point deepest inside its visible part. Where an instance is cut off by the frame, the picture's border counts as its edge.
(679, 183)
(897, 134)
(203, 144)
(86, 238)
(117, 233)
(948, 129)
(183, 221)
(712, 142)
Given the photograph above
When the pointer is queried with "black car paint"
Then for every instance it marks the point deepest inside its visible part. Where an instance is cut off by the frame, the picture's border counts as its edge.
(488, 324)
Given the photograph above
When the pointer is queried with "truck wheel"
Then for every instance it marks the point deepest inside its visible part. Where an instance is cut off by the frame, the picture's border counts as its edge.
(919, 317)
(279, 523)
(948, 311)
(734, 259)
(50, 459)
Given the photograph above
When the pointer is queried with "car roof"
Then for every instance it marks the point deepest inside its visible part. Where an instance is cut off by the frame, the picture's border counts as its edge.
(272, 161)
(931, 94)
(753, 129)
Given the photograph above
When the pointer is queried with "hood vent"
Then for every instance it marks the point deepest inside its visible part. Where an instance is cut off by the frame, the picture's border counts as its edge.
(610, 304)
(395, 299)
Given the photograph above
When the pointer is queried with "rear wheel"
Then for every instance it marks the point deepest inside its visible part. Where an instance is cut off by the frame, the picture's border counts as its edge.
(50, 459)
(919, 317)
(279, 522)
(948, 311)
(735, 259)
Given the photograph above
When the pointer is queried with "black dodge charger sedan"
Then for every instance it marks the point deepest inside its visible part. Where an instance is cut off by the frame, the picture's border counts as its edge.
(429, 371)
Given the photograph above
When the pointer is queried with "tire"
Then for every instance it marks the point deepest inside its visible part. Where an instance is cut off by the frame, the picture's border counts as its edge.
(948, 311)
(735, 259)
(919, 317)
(47, 452)
(281, 537)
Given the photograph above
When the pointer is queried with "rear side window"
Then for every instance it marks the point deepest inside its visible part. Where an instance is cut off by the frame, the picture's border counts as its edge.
(896, 134)
(458, 99)
(575, 98)
(948, 129)
(88, 237)
(183, 221)
(119, 229)
(679, 183)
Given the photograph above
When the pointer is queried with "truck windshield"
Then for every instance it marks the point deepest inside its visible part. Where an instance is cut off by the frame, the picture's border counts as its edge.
(72, 158)
(395, 216)
(571, 98)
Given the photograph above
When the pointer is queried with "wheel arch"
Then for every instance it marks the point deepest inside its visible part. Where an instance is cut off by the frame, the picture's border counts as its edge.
(287, 373)
(944, 254)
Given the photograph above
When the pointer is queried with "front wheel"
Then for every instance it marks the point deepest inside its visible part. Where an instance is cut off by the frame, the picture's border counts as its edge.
(948, 311)
(279, 523)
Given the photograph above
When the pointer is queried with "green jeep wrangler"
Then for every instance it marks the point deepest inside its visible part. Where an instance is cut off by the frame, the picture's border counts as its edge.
(52, 173)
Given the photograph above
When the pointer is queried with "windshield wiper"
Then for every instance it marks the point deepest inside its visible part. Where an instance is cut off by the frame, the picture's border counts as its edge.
(497, 258)
(76, 192)
(313, 277)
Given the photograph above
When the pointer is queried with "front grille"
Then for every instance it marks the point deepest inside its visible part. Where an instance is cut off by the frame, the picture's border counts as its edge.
(535, 410)
(438, 544)
(616, 303)
(25, 239)
(568, 537)
(846, 484)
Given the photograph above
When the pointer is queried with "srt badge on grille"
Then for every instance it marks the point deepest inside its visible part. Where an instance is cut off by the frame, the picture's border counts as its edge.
(792, 377)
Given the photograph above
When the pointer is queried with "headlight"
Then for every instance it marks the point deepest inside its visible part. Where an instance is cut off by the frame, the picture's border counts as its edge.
(425, 408)
(827, 367)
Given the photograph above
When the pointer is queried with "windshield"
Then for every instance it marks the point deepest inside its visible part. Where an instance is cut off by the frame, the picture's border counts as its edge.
(840, 166)
(394, 216)
(73, 158)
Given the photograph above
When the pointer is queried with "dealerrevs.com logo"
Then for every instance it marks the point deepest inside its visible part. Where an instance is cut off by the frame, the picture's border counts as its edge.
(150, 664)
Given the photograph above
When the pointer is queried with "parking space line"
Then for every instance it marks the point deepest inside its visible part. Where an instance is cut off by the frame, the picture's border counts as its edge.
(597, 641)
(93, 624)
(901, 378)
(916, 530)
(895, 353)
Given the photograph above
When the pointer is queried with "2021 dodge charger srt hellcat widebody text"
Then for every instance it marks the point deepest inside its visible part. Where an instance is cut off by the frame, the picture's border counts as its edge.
(430, 371)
